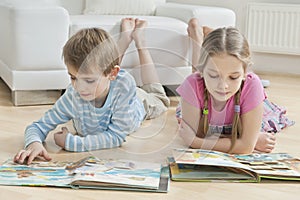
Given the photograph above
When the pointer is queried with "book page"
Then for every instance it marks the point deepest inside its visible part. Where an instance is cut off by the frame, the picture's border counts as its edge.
(206, 157)
(89, 172)
(272, 164)
(119, 173)
(39, 173)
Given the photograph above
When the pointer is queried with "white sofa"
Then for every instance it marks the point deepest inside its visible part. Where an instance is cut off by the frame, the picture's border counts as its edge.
(33, 33)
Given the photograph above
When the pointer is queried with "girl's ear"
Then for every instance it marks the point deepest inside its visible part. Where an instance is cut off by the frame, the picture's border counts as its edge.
(114, 72)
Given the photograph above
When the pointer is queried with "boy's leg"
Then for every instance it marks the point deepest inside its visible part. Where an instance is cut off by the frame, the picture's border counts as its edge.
(154, 100)
(151, 93)
(148, 70)
(127, 26)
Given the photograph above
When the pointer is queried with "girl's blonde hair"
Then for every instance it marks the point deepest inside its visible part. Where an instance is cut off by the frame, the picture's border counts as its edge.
(231, 42)
(90, 50)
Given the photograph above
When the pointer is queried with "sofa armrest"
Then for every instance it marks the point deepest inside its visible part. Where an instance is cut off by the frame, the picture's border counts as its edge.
(33, 37)
(208, 16)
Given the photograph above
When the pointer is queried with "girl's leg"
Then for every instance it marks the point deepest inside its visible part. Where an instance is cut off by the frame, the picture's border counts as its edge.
(196, 34)
(127, 26)
(148, 70)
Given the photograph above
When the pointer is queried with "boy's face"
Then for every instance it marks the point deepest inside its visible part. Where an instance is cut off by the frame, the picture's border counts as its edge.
(90, 86)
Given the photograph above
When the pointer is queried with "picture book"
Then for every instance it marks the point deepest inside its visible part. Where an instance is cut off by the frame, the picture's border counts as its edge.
(207, 165)
(90, 172)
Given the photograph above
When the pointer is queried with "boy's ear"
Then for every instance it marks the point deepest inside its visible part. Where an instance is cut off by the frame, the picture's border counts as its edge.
(114, 72)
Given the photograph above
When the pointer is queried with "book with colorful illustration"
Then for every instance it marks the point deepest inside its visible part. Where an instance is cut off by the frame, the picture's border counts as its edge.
(208, 165)
(90, 172)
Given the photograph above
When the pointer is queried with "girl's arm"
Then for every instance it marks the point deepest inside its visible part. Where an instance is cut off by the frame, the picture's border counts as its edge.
(251, 122)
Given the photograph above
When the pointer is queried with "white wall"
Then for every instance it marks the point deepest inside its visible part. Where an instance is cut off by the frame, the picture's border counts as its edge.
(263, 62)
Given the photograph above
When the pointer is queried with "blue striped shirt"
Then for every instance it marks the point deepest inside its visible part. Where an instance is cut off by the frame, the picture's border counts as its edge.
(97, 128)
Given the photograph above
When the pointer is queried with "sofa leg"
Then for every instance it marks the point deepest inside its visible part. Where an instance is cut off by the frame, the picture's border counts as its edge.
(34, 97)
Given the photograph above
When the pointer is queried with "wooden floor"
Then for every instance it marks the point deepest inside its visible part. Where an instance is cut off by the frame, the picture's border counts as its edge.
(153, 143)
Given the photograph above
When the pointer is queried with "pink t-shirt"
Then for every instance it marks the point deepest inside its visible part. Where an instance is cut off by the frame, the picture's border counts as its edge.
(191, 90)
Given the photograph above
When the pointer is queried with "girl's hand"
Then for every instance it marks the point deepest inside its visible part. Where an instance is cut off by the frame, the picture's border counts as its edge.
(60, 137)
(32, 151)
(265, 142)
(186, 133)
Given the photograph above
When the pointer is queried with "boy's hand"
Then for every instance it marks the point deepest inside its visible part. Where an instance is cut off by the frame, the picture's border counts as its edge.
(32, 151)
(60, 137)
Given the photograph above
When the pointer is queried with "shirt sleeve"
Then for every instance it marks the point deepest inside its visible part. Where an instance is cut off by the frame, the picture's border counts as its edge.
(127, 115)
(191, 90)
(252, 94)
(58, 114)
(106, 139)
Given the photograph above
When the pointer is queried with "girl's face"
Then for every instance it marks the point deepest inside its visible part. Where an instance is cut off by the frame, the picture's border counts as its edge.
(223, 76)
(89, 86)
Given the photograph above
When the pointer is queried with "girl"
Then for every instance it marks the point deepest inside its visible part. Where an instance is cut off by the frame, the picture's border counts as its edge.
(223, 105)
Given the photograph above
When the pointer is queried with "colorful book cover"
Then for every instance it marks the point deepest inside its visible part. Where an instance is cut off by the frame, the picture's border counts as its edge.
(205, 165)
(89, 172)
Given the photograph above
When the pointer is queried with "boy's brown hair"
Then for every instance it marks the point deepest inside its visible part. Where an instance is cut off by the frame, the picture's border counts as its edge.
(91, 50)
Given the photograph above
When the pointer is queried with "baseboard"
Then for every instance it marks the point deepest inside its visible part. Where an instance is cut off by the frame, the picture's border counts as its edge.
(35, 97)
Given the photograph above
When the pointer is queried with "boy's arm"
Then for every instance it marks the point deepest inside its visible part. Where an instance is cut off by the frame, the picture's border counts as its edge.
(60, 113)
(127, 115)
(123, 122)
(37, 132)
(105, 140)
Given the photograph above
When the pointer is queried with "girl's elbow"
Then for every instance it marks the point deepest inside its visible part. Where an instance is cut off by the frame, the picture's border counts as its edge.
(192, 145)
(247, 151)
(244, 149)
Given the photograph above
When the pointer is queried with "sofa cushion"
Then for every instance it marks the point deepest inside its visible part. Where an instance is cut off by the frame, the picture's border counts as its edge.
(120, 7)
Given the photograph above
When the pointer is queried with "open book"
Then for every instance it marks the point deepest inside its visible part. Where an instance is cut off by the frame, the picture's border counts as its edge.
(204, 165)
(89, 172)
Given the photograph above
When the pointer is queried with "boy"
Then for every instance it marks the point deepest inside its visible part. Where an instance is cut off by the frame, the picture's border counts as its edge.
(103, 101)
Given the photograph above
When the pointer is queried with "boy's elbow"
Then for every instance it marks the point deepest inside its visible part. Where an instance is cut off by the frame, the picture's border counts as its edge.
(118, 142)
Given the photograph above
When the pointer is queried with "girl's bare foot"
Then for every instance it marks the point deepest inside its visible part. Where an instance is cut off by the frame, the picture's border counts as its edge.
(127, 26)
(195, 31)
(138, 34)
(206, 30)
